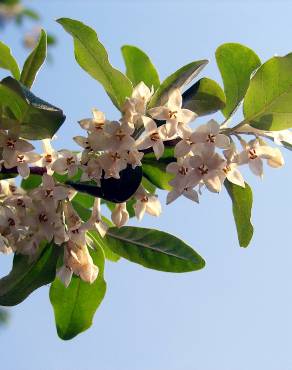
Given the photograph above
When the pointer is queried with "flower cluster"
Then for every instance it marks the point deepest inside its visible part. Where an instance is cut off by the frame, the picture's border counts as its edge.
(204, 156)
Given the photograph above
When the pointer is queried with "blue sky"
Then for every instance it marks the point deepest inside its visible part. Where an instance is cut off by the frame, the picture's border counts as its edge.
(236, 313)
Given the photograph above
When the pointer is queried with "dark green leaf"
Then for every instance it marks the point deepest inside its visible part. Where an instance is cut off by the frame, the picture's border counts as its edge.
(236, 63)
(38, 119)
(111, 189)
(268, 101)
(140, 67)
(7, 61)
(93, 58)
(75, 306)
(178, 79)
(34, 61)
(241, 206)
(154, 249)
(155, 170)
(204, 97)
(28, 275)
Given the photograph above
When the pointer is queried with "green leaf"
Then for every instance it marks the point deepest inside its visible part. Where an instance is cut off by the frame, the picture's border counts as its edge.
(111, 189)
(178, 79)
(154, 249)
(155, 170)
(268, 101)
(7, 61)
(75, 306)
(140, 67)
(28, 275)
(241, 205)
(34, 61)
(29, 13)
(32, 182)
(204, 97)
(38, 119)
(236, 63)
(93, 58)
(104, 244)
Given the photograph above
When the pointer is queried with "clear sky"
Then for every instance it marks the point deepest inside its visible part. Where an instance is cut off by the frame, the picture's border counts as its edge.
(236, 313)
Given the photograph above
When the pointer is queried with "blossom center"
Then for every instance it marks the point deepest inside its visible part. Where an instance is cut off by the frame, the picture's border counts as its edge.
(252, 154)
(70, 160)
(11, 222)
(203, 169)
(182, 170)
(10, 143)
(120, 134)
(154, 136)
(43, 218)
(172, 114)
(211, 138)
(20, 158)
(227, 169)
(48, 158)
(20, 203)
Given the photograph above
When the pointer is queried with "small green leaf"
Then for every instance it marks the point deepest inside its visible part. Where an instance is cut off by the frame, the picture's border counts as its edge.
(32, 182)
(241, 206)
(93, 58)
(103, 243)
(236, 63)
(38, 119)
(268, 101)
(140, 67)
(29, 13)
(155, 170)
(204, 97)
(154, 249)
(7, 61)
(75, 306)
(178, 79)
(34, 61)
(28, 275)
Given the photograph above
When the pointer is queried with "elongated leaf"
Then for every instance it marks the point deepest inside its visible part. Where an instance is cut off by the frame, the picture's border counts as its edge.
(155, 170)
(38, 119)
(27, 276)
(34, 61)
(154, 249)
(178, 79)
(236, 63)
(75, 306)
(140, 67)
(93, 58)
(241, 206)
(7, 61)
(204, 97)
(32, 182)
(268, 101)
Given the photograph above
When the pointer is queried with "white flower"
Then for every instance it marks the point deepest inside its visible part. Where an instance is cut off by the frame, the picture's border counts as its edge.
(120, 215)
(92, 170)
(154, 137)
(145, 202)
(75, 229)
(95, 221)
(66, 163)
(133, 157)
(78, 260)
(11, 144)
(181, 169)
(49, 156)
(96, 124)
(207, 169)
(112, 163)
(255, 151)
(119, 136)
(50, 191)
(173, 113)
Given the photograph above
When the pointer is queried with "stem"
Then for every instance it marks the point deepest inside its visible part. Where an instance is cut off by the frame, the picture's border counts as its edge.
(33, 170)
